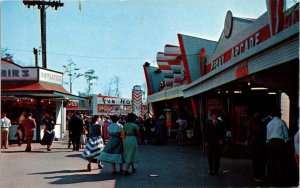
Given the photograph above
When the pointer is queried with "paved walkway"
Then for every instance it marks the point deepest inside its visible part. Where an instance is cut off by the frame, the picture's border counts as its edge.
(175, 166)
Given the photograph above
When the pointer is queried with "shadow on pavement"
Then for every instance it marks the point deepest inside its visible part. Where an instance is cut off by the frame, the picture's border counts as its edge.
(77, 155)
(59, 172)
(80, 178)
(23, 152)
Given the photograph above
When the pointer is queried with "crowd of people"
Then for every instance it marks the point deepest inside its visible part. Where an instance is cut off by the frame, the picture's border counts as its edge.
(271, 148)
(115, 139)
(26, 128)
(110, 139)
(273, 156)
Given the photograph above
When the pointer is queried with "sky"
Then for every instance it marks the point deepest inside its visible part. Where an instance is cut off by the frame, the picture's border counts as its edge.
(113, 37)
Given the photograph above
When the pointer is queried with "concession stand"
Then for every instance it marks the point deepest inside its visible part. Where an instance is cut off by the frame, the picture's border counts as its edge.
(36, 90)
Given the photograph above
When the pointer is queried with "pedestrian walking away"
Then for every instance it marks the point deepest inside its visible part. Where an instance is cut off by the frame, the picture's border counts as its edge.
(104, 127)
(214, 137)
(113, 150)
(181, 132)
(76, 129)
(5, 124)
(21, 130)
(277, 135)
(95, 144)
(49, 133)
(257, 142)
(69, 123)
(29, 125)
(160, 130)
(130, 135)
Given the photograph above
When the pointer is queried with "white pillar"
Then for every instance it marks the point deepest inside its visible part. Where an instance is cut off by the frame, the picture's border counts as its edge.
(285, 108)
(59, 120)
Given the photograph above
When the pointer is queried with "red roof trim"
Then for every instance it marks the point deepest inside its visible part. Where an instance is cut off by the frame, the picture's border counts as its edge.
(32, 86)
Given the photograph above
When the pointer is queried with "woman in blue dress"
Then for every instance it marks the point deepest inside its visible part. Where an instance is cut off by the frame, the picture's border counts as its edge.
(113, 150)
(95, 144)
(131, 136)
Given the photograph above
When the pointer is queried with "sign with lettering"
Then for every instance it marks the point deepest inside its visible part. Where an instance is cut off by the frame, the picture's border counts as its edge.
(112, 109)
(244, 45)
(241, 70)
(50, 76)
(113, 100)
(73, 104)
(13, 72)
(258, 36)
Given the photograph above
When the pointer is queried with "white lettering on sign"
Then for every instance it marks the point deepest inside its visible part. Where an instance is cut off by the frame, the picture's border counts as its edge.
(247, 44)
(218, 62)
(50, 76)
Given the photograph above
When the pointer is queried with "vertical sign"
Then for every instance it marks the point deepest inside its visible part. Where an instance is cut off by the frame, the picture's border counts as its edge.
(137, 100)
(275, 15)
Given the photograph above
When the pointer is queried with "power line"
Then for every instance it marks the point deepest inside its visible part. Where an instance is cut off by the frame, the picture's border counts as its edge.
(82, 56)
(93, 57)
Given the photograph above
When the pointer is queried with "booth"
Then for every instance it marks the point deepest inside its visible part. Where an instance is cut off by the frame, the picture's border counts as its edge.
(36, 90)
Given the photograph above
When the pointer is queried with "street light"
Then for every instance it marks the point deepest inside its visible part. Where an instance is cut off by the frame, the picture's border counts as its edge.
(71, 73)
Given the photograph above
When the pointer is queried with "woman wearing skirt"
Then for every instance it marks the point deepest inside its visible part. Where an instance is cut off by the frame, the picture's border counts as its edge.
(49, 133)
(130, 135)
(113, 150)
(94, 145)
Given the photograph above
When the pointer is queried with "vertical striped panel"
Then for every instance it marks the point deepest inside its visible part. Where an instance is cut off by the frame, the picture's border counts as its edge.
(174, 56)
(164, 66)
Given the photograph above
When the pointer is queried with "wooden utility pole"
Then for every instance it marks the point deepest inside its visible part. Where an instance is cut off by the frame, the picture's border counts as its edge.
(35, 52)
(42, 5)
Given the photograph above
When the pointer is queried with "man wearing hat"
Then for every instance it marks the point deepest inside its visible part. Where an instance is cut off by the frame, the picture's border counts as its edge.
(214, 136)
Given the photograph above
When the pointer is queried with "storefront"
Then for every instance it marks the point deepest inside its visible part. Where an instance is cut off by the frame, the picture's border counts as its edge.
(36, 90)
(253, 66)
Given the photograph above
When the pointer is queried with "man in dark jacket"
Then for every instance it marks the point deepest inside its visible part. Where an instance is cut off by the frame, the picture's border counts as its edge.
(257, 142)
(76, 129)
(214, 136)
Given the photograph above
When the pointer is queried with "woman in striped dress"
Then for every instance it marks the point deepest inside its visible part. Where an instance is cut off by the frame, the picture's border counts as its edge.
(95, 144)
(131, 136)
(113, 150)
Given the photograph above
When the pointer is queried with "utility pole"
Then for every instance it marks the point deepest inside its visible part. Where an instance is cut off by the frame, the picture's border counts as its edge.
(35, 52)
(42, 5)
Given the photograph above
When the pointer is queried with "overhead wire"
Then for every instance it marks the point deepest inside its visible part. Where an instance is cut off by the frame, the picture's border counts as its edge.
(92, 57)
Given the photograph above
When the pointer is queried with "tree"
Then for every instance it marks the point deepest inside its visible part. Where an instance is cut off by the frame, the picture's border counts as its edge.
(89, 76)
(72, 72)
(117, 82)
(113, 87)
(7, 56)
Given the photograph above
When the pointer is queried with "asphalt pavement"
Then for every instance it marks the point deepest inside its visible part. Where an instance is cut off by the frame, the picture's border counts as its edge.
(160, 166)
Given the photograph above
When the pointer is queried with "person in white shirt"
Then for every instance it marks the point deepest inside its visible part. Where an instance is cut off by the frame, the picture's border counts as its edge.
(5, 124)
(277, 135)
